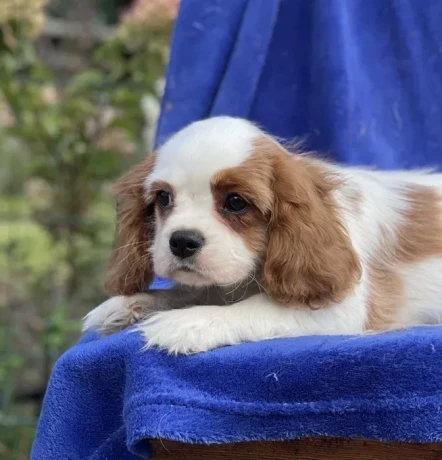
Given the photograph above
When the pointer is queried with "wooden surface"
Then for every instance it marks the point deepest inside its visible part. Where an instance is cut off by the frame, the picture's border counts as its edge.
(305, 449)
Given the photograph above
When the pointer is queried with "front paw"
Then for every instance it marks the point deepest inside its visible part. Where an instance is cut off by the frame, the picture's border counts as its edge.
(186, 331)
(116, 313)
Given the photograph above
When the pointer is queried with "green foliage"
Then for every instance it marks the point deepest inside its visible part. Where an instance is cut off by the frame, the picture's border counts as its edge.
(62, 146)
(27, 252)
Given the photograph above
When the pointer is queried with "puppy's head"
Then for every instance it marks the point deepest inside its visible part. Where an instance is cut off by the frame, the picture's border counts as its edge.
(221, 202)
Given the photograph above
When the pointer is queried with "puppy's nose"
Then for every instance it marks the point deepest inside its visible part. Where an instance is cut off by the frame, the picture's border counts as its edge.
(185, 243)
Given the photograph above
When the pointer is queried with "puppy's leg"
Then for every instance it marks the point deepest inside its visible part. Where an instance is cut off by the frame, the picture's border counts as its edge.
(202, 328)
(119, 312)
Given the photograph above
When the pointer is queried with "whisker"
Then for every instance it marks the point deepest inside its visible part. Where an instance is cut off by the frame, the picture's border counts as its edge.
(136, 243)
(236, 287)
(130, 253)
(252, 278)
(260, 286)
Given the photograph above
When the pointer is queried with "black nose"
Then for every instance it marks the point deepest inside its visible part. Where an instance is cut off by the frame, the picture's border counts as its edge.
(185, 243)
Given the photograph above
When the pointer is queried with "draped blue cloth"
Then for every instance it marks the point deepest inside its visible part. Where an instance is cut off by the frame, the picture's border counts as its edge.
(361, 80)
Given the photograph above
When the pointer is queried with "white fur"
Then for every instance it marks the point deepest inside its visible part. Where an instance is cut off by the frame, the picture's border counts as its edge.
(194, 154)
(116, 311)
(224, 259)
(188, 161)
(203, 328)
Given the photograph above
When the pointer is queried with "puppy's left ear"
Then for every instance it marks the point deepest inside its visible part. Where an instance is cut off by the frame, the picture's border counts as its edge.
(130, 268)
(310, 259)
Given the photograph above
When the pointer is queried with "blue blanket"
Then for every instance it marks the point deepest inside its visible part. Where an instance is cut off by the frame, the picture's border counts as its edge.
(105, 395)
(363, 80)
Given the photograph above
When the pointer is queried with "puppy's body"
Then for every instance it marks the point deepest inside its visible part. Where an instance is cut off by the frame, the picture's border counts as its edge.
(318, 249)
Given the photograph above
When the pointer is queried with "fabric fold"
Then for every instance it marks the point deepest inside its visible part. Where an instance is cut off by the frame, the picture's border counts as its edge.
(106, 395)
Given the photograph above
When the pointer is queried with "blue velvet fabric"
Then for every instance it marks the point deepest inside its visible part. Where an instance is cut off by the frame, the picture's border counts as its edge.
(362, 80)
(106, 398)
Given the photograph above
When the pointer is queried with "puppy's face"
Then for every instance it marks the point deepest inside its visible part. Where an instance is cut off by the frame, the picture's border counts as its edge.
(210, 217)
(221, 202)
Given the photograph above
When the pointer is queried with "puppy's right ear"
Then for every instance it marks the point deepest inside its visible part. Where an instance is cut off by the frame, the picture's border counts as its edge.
(130, 267)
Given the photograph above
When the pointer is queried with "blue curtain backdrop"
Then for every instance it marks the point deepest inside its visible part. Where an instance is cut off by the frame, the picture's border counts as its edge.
(361, 79)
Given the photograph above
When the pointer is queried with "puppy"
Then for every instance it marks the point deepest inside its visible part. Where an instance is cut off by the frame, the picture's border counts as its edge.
(264, 244)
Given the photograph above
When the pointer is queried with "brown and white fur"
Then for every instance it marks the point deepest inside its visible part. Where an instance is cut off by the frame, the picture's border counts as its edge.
(319, 249)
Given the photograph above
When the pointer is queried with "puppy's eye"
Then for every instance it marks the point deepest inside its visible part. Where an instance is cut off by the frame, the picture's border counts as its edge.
(163, 199)
(235, 204)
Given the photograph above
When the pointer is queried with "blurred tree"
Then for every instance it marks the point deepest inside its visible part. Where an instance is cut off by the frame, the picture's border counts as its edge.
(113, 9)
(28, 15)
(62, 144)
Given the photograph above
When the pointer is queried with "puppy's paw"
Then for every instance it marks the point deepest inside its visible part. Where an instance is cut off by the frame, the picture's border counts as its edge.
(116, 313)
(186, 331)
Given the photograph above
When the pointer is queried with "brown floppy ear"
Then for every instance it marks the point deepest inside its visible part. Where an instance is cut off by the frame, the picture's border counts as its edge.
(310, 259)
(130, 267)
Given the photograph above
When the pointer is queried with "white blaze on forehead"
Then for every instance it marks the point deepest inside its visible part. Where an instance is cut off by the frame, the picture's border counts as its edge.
(188, 161)
(193, 155)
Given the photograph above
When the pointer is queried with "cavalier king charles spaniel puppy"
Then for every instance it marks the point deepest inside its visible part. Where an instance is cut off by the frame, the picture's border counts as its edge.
(262, 244)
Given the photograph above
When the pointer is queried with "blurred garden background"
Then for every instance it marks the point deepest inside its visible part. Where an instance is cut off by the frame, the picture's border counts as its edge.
(80, 84)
